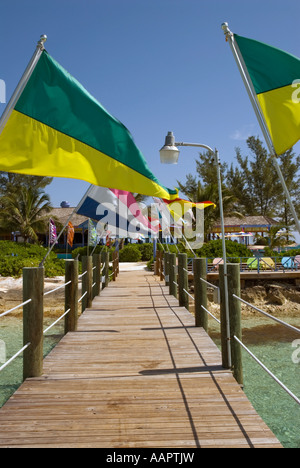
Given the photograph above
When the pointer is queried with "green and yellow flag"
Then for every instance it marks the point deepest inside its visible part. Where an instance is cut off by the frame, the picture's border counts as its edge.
(58, 129)
(275, 75)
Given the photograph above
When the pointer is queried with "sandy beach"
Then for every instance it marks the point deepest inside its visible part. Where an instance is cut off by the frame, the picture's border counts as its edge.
(277, 298)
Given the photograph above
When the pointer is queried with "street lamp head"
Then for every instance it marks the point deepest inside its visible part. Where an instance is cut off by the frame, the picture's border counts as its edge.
(169, 153)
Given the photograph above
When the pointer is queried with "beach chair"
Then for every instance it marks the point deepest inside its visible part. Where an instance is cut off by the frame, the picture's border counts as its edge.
(216, 262)
(252, 263)
(297, 262)
(267, 263)
(287, 263)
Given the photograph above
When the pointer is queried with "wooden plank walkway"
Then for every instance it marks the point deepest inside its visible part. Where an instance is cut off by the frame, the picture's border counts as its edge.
(137, 373)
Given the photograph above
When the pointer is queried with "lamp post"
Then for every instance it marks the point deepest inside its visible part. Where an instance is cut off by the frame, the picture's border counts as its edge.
(169, 154)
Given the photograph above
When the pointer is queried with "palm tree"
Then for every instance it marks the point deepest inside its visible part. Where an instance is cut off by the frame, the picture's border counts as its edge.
(197, 193)
(275, 237)
(25, 210)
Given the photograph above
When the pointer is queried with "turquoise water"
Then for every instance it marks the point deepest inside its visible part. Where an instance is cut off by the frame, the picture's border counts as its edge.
(11, 333)
(272, 344)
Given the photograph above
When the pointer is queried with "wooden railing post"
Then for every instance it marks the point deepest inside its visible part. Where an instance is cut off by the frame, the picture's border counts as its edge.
(118, 264)
(87, 282)
(97, 274)
(105, 272)
(201, 317)
(224, 339)
(33, 312)
(234, 287)
(183, 280)
(167, 268)
(162, 274)
(71, 295)
(114, 260)
(156, 263)
(158, 260)
(173, 275)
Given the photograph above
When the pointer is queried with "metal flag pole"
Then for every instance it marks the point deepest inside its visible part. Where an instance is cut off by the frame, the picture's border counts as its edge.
(216, 161)
(66, 224)
(217, 164)
(259, 114)
(23, 81)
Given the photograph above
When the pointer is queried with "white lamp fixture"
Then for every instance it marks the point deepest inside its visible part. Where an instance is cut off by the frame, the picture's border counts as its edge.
(169, 153)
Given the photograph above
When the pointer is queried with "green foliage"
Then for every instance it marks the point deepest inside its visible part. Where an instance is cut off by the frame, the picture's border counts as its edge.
(146, 251)
(130, 253)
(25, 206)
(14, 257)
(287, 253)
(82, 251)
(213, 249)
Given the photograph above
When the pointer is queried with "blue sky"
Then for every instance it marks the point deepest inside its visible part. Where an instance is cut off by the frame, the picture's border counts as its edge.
(156, 65)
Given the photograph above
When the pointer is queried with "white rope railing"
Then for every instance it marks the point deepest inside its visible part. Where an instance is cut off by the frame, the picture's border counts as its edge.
(215, 318)
(9, 361)
(209, 284)
(114, 271)
(56, 321)
(56, 289)
(192, 297)
(14, 357)
(204, 308)
(82, 274)
(268, 371)
(287, 325)
(15, 308)
(80, 299)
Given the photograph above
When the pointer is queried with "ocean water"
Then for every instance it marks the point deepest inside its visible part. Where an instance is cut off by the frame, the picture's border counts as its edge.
(271, 343)
(277, 348)
(11, 340)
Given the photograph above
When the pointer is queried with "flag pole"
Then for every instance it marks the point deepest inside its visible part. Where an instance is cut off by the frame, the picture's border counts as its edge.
(88, 239)
(23, 81)
(66, 224)
(259, 114)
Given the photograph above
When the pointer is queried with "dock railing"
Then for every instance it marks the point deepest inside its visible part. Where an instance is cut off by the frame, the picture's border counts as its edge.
(177, 281)
(95, 272)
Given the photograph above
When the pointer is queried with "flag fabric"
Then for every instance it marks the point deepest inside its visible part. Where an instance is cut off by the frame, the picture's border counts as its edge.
(70, 234)
(58, 129)
(180, 207)
(52, 232)
(92, 234)
(165, 219)
(275, 76)
(118, 211)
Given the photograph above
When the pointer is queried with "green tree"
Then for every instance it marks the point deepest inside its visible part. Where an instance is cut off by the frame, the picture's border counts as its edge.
(24, 205)
(10, 182)
(289, 165)
(197, 192)
(276, 238)
(255, 182)
(206, 168)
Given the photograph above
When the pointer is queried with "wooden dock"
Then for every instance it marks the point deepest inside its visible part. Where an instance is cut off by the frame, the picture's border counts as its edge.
(137, 373)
